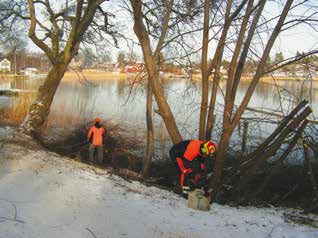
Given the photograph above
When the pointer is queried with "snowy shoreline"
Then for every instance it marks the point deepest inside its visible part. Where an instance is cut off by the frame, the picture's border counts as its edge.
(45, 195)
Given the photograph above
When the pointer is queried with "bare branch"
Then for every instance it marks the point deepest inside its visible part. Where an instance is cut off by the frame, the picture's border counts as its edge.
(33, 36)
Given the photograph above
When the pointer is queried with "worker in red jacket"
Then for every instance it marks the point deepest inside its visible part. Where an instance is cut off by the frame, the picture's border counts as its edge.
(95, 138)
(191, 157)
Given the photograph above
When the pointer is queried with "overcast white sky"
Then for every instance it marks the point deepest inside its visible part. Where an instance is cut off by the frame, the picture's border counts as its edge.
(301, 38)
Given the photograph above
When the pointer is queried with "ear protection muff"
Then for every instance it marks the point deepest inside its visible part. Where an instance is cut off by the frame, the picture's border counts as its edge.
(212, 150)
(204, 150)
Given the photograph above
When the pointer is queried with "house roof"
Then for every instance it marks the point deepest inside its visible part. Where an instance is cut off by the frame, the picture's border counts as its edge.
(4, 59)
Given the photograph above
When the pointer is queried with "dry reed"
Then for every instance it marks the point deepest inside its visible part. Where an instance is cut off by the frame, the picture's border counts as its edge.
(14, 114)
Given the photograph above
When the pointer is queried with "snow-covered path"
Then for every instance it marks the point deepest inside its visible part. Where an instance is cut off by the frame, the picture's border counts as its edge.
(45, 195)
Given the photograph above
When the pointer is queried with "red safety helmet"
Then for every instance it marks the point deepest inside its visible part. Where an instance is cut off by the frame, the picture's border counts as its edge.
(97, 119)
(208, 148)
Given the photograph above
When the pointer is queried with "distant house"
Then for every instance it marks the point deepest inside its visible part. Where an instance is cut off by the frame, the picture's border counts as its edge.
(5, 65)
(222, 70)
(132, 69)
(30, 71)
(105, 67)
(137, 67)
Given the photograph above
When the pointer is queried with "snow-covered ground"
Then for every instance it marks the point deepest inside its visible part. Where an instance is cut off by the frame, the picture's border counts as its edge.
(45, 195)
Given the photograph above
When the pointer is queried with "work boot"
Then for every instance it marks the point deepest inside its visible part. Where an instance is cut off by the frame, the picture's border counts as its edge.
(185, 190)
(184, 195)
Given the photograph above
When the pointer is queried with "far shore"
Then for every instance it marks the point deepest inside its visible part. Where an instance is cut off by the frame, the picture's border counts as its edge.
(283, 78)
(264, 79)
(90, 75)
(93, 75)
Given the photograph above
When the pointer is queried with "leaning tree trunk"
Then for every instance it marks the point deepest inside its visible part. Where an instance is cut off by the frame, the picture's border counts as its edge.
(40, 108)
(150, 134)
(153, 76)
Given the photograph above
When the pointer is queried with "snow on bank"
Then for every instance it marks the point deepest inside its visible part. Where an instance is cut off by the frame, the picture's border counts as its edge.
(45, 195)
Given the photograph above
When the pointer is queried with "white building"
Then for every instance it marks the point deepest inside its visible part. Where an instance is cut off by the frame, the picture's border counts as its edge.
(30, 71)
(5, 65)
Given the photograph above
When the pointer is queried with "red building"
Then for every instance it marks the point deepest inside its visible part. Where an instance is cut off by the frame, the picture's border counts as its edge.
(132, 69)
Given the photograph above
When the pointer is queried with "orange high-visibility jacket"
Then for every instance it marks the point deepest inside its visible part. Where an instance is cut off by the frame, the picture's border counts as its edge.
(95, 135)
(186, 150)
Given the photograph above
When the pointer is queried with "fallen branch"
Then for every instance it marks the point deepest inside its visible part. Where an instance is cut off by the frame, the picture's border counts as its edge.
(280, 161)
(271, 148)
(276, 132)
(300, 220)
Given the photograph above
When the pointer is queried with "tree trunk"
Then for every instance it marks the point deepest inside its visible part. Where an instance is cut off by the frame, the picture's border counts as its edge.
(40, 108)
(223, 145)
(216, 65)
(233, 67)
(150, 134)
(204, 71)
(309, 169)
(211, 115)
(261, 65)
(153, 76)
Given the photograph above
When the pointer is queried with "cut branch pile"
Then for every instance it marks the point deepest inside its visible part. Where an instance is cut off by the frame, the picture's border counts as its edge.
(294, 122)
(255, 179)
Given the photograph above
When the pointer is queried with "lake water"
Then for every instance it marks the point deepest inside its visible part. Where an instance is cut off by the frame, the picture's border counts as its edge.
(123, 102)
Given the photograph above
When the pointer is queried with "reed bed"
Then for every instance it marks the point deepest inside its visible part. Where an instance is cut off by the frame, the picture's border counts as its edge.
(15, 113)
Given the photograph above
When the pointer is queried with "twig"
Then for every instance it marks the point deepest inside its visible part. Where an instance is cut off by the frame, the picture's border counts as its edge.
(15, 210)
(270, 233)
(9, 219)
(90, 231)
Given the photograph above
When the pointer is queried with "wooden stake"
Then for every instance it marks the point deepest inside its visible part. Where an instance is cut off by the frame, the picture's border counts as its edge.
(244, 139)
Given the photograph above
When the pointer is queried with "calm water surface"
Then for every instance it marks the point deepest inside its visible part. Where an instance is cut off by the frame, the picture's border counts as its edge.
(115, 100)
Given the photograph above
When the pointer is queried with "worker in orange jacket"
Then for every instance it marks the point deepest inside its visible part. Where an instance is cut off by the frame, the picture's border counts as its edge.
(191, 156)
(95, 138)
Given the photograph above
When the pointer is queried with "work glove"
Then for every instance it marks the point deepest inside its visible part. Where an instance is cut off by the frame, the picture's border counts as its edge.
(187, 171)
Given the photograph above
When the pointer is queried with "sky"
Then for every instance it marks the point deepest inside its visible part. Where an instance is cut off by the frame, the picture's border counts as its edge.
(302, 38)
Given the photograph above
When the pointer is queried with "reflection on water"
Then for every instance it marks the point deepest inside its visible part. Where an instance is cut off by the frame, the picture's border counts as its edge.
(20, 82)
(113, 99)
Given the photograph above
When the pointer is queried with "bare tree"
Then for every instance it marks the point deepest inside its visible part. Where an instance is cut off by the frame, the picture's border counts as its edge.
(150, 132)
(58, 31)
(153, 22)
(150, 61)
(157, 26)
(153, 78)
(243, 23)
(250, 23)
(204, 70)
